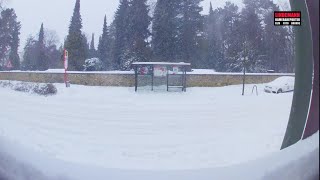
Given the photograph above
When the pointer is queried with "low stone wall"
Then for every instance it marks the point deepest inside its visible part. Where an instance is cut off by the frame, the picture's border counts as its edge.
(217, 80)
(127, 79)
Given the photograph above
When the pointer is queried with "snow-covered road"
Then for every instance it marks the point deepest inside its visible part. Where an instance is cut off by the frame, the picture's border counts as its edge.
(114, 127)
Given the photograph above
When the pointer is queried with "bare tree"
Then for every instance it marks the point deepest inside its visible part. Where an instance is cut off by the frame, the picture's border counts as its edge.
(51, 37)
(2, 4)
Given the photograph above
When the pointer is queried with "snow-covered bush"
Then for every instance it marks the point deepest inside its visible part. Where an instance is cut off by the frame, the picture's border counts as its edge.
(35, 88)
(93, 64)
(23, 87)
(6, 84)
(45, 89)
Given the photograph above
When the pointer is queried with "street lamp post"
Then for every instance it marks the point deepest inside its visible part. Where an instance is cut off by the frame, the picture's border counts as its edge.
(244, 74)
(244, 59)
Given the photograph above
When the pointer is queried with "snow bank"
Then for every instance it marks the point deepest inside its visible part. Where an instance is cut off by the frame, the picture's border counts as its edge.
(300, 161)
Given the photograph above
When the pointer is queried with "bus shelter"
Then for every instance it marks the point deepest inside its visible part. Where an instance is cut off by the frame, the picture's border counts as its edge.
(162, 70)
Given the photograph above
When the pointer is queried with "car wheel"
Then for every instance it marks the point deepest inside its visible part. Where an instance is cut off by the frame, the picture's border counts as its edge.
(279, 91)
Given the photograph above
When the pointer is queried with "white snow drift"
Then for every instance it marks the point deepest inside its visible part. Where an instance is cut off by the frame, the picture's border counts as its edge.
(114, 127)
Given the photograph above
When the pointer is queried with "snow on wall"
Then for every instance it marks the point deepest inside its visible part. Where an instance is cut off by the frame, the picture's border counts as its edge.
(193, 72)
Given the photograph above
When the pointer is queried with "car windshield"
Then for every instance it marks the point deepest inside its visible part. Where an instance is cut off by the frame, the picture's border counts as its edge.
(95, 88)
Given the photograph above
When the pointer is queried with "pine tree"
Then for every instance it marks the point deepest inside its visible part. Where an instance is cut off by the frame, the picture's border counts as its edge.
(252, 32)
(42, 58)
(232, 40)
(213, 48)
(139, 21)
(164, 30)
(9, 38)
(121, 45)
(277, 52)
(30, 55)
(76, 42)
(54, 54)
(104, 47)
(14, 56)
(92, 49)
(190, 31)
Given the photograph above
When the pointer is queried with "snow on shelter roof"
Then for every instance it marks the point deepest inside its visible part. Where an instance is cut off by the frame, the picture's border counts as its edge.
(162, 63)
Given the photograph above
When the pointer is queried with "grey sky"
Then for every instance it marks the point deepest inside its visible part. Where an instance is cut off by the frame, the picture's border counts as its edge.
(56, 14)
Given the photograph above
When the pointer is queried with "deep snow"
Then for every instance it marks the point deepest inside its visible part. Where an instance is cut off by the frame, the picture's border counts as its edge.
(300, 161)
(114, 127)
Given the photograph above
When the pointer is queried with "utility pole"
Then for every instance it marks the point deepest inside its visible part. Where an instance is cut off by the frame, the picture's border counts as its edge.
(244, 66)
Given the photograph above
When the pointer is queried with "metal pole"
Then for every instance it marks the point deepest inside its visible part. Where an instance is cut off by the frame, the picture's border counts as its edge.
(167, 78)
(244, 68)
(185, 79)
(136, 78)
(182, 78)
(152, 76)
(244, 79)
(65, 77)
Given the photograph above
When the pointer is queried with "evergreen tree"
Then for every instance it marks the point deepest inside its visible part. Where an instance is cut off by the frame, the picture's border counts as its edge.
(165, 30)
(54, 54)
(190, 32)
(30, 55)
(92, 49)
(276, 49)
(14, 46)
(104, 47)
(42, 58)
(121, 44)
(76, 42)
(9, 38)
(139, 21)
(252, 32)
(213, 48)
(232, 40)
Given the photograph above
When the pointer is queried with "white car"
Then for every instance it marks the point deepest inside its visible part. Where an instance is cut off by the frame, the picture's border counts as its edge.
(280, 85)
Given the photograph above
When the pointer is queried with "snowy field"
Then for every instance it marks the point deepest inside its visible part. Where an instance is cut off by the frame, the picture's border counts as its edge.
(114, 133)
(114, 127)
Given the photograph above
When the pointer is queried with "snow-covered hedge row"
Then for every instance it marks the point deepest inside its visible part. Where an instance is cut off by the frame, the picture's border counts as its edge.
(34, 88)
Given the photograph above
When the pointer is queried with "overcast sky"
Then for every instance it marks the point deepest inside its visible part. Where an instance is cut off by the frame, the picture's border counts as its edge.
(56, 14)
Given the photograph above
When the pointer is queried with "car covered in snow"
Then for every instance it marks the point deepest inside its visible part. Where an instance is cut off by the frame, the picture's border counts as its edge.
(280, 85)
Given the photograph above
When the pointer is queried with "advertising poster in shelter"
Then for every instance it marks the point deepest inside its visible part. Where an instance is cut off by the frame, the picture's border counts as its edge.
(160, 71)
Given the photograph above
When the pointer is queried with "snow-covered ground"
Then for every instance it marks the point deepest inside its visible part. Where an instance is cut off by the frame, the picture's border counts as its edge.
(114, 127)
(300, 161)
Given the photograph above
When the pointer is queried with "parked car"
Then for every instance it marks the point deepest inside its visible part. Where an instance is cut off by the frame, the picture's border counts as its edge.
(280, 85)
